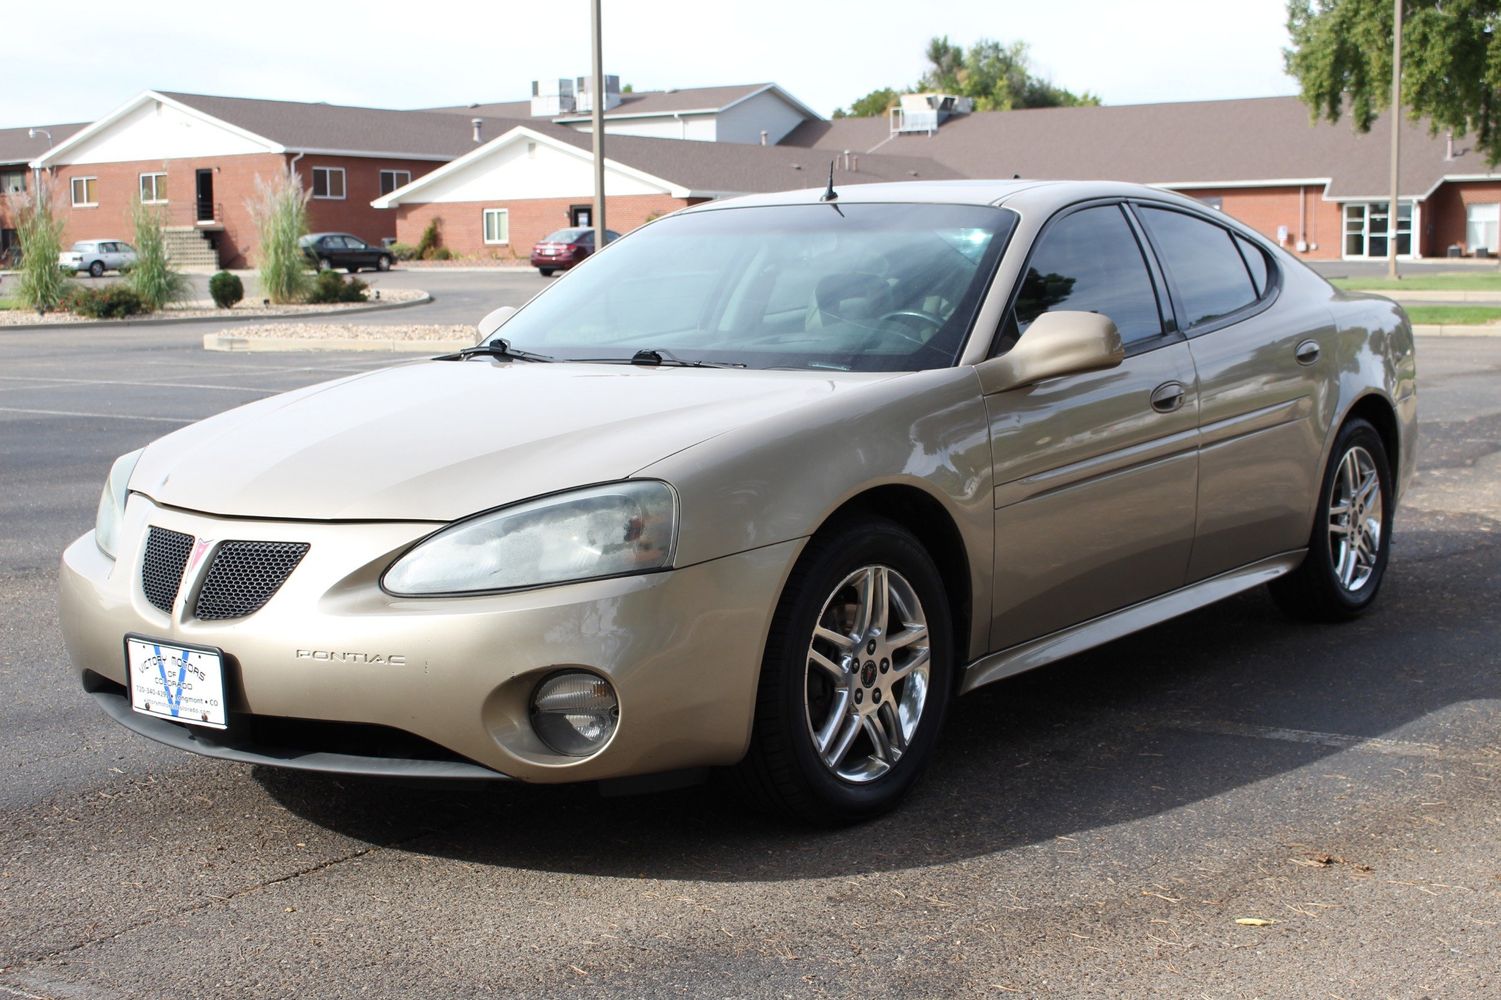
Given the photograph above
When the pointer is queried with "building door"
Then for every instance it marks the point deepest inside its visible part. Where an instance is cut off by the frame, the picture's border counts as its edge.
(205, 196)
(1366, 228)
(581, 215)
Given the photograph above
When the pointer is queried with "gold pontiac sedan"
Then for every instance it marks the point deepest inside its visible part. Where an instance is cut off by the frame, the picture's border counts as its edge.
(763, 486)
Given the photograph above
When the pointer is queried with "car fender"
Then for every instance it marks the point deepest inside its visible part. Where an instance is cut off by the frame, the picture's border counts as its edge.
(783, 478)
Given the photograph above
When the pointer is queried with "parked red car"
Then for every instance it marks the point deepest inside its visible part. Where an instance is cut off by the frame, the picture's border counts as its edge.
(565, 248)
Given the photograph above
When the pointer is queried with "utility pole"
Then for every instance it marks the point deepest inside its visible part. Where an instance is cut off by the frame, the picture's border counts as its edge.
(36, 181)
(597, 115)
(1391, 212)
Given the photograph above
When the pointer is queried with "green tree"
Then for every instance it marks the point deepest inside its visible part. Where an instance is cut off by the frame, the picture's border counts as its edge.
(1341, 55)
(998, 76)
(872, 105)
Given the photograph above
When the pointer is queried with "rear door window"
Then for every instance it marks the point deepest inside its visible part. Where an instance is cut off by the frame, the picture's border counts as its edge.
(1209, 277)
(1089, 261)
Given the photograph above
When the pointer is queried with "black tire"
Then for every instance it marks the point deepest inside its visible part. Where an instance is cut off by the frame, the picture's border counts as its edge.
(783, 770)
(1315, 591)
(546, 272)
(383, 264)
(96, 269)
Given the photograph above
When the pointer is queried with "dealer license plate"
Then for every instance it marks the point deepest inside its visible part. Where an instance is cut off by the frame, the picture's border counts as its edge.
(181, 683)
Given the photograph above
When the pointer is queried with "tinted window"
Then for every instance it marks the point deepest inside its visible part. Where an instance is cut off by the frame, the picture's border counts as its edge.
(1209, 276)
(1256, 261)
(1090, 261)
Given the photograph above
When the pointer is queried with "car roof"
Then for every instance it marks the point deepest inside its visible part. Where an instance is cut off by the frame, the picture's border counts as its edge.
(1020, 193)
(319, 236)
(102, 239)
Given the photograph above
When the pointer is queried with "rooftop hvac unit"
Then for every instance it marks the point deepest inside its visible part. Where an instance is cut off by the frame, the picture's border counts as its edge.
(585, 90)
(925, 112)
(552, 97)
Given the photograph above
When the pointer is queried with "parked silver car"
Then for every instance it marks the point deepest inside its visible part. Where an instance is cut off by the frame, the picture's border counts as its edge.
(764, 487)
(98, 256)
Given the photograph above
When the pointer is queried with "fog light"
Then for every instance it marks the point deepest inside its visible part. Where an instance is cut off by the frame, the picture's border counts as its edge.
(575, 713)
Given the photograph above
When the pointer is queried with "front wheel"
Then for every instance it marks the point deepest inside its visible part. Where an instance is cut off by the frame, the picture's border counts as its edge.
(383, 264)
(1352, 533)
(546, 272)
(96, 269)
(324, 264)
(856, 678)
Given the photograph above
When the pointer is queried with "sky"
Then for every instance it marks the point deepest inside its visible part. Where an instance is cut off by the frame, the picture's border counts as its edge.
(826, 53)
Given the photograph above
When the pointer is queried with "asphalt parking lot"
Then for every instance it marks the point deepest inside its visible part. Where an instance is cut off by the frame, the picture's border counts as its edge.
(1093, 829)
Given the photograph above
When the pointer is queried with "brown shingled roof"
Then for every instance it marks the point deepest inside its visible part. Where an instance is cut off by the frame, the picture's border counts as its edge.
(17, 147)
(1195, 143)
(297, 126)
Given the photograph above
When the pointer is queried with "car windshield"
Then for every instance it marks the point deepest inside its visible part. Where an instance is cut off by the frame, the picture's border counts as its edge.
(857, 287)
(566, 235)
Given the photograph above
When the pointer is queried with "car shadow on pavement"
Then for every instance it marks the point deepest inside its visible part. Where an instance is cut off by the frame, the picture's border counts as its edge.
(1153, 722)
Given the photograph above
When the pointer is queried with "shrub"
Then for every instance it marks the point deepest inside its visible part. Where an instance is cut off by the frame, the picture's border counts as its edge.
(441, 253)
(429, 241)
(152, 276)
(279, 209)
(404, 251)
(106, 302)
(41, 237)
(225, 289)
(331, 286)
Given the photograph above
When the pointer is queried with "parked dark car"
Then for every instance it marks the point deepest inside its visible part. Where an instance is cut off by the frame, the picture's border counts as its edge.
(565, 248)
(330, 250)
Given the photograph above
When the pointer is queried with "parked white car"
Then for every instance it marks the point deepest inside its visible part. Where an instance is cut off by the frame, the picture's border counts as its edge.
(98, 256)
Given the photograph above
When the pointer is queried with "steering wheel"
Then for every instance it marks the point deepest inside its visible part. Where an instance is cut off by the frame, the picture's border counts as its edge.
(881, 330)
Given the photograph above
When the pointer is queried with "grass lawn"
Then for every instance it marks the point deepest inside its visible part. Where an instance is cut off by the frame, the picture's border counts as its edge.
(1459, 315)
(1479, 281)
(8, 304)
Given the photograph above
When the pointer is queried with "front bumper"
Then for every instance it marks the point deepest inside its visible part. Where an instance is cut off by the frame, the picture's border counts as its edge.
(682, 648)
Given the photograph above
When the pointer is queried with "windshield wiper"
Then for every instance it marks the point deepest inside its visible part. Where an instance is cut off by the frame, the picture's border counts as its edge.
(498, 348)
(655, 357)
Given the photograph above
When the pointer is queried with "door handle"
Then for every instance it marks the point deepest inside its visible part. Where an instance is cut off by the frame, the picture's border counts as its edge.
(1307, 352)
(1168, 396)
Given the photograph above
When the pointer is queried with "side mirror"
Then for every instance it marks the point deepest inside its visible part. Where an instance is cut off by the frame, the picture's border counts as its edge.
(493, 321)
(1057, 343)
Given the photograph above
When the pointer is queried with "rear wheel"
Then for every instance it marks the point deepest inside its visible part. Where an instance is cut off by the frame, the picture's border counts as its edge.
(96, 269)
(856, 677)
(1351, 540)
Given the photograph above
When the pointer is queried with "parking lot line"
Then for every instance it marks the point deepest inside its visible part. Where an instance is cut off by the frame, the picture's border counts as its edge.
(106, 381)
(1338, 741)
(99, 416)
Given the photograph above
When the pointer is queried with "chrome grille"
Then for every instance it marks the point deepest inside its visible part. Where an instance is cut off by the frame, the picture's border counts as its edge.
(161, 569)
(244, 576)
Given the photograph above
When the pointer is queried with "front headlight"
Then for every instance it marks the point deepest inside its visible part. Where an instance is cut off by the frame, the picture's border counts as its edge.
(112, 503)
(583, 534)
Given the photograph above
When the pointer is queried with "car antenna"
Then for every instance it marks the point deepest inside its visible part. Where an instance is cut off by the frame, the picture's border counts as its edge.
(830, 194)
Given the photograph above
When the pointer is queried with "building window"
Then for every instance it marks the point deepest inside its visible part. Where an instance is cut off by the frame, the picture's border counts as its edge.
(85, 192)
(328, 182)
(1482, 227)
(497, 225)
(390, 180)
(154, 189)
(12, 182)
(1366, 229)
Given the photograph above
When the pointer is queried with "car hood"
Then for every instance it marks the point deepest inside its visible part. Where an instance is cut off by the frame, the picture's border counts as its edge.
(438, 440)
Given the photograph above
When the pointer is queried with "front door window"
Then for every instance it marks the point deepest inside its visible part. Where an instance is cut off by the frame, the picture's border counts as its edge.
(1366, 230)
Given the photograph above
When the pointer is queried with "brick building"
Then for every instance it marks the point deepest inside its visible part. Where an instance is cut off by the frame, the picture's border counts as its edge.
(1320, 190)
(499, 199)
(18, 147)
(198, 159)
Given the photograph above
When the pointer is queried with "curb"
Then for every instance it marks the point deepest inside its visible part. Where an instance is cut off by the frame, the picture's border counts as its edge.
(1440, 296)
(229, 342)
(96, 324)
(1457, 330)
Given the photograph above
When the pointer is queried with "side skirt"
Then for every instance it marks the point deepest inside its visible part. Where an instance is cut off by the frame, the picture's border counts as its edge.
(1107, 628)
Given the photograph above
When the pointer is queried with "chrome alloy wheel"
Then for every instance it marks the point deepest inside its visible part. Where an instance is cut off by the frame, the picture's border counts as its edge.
(1355, 519)
(867, 675)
